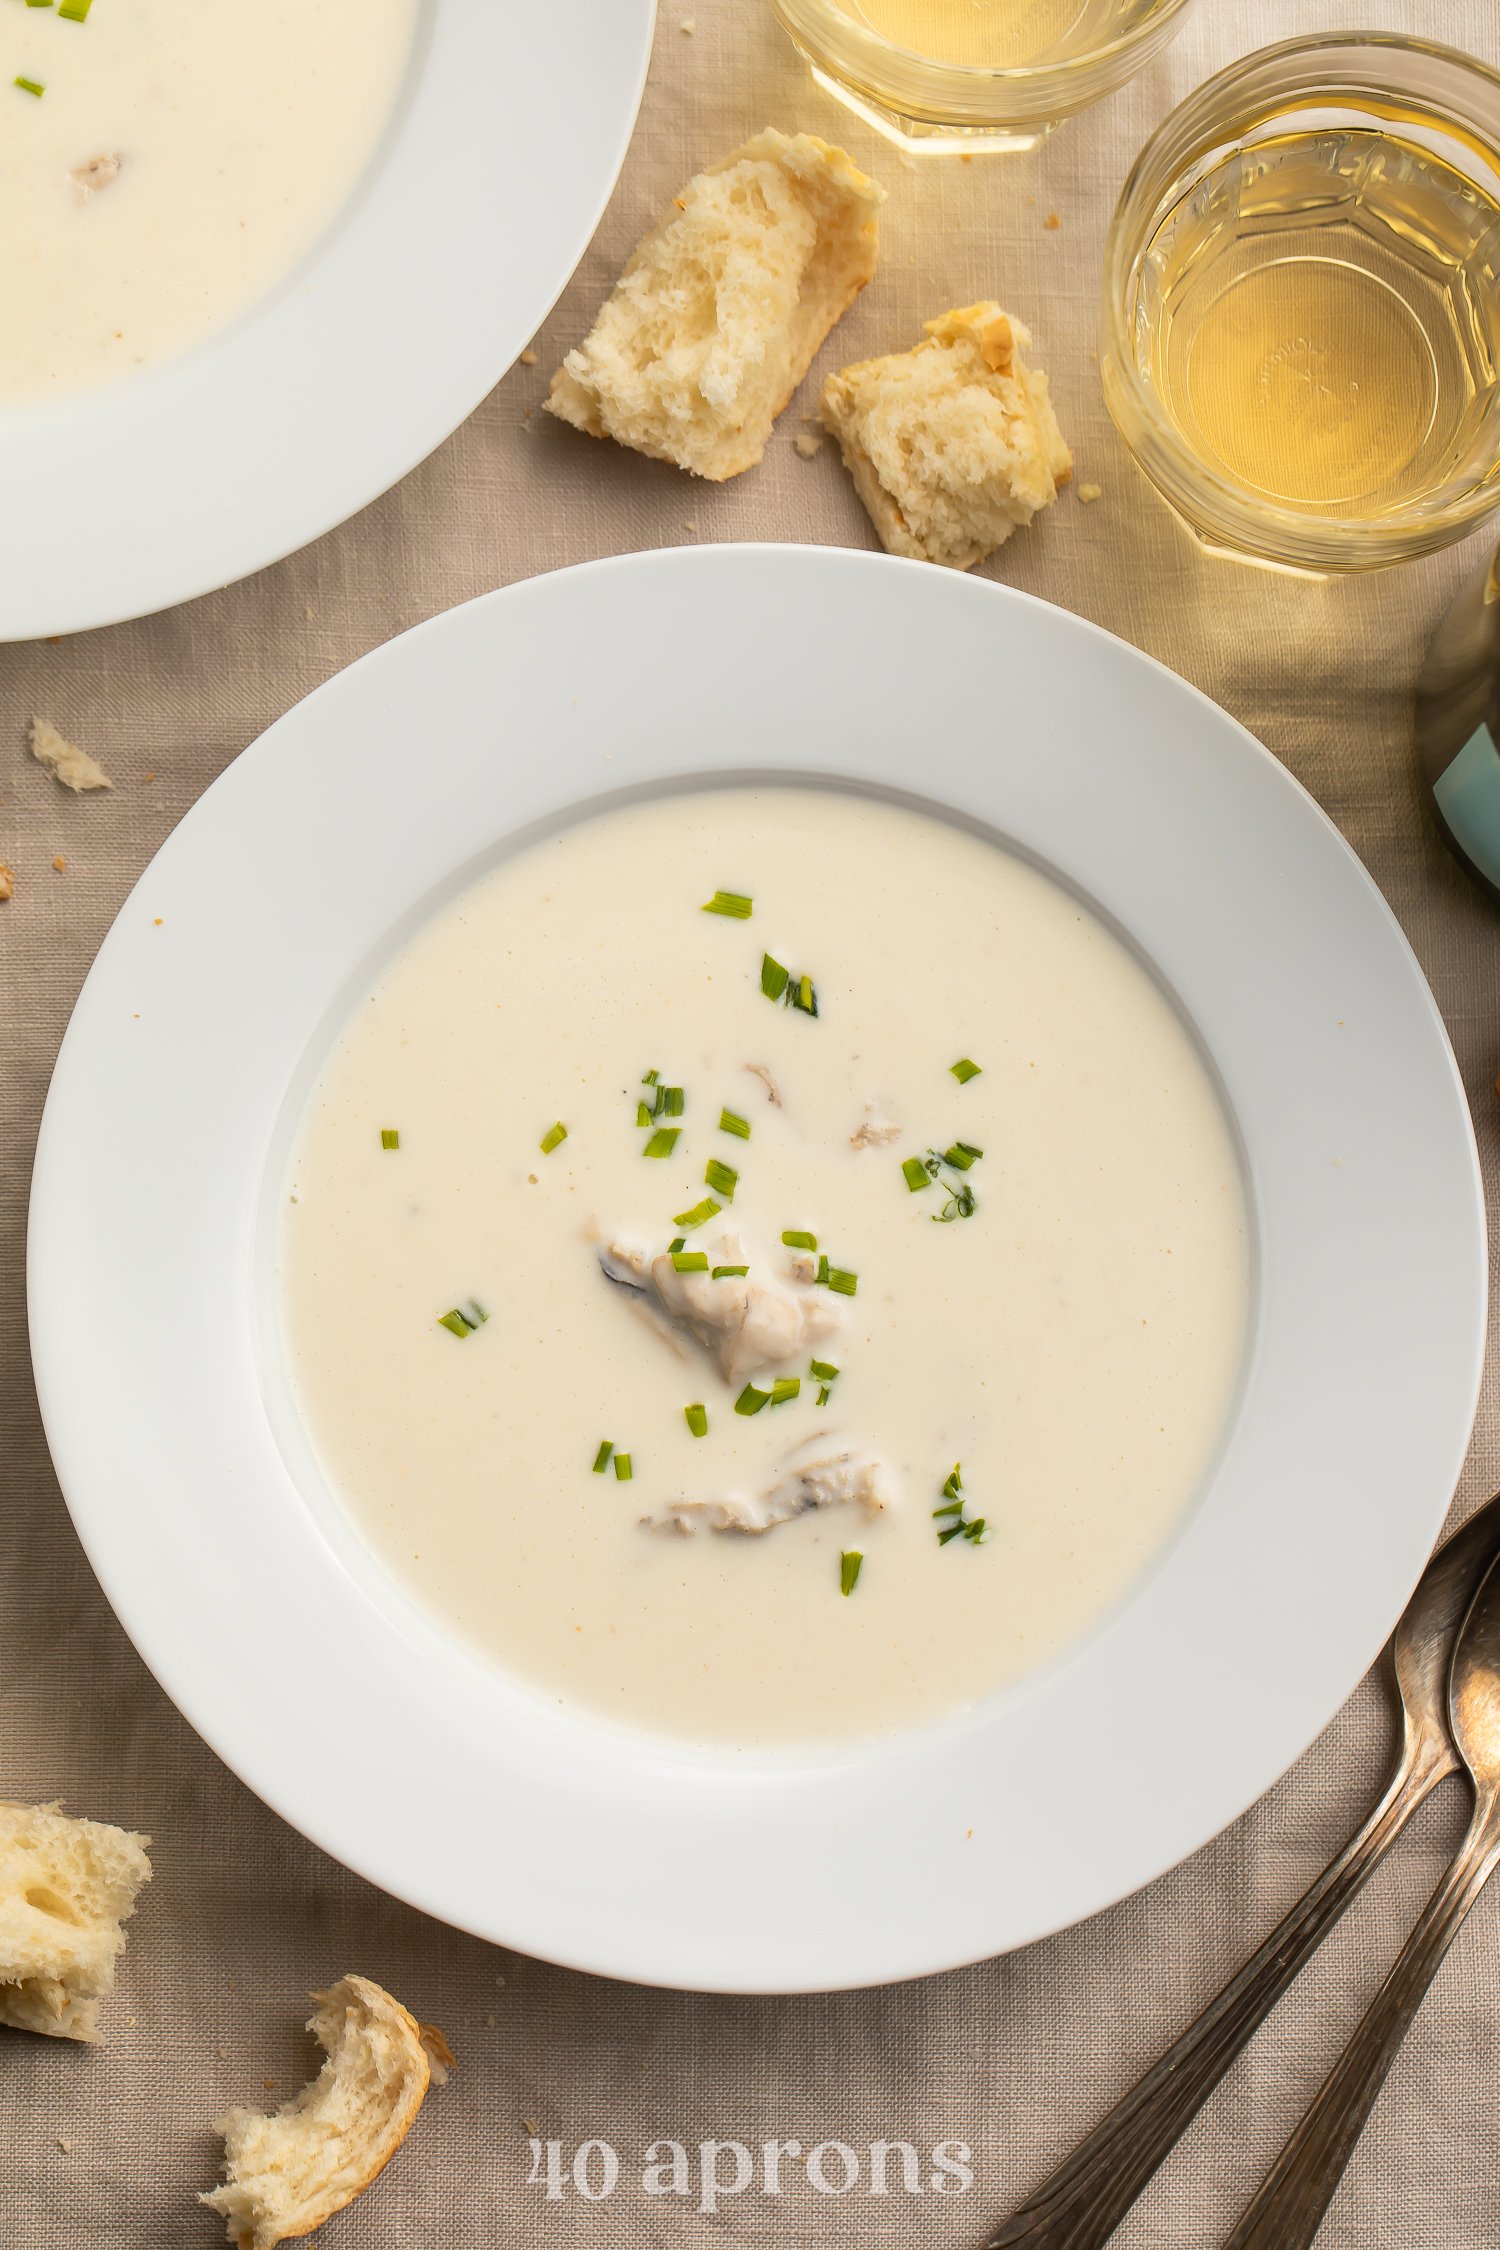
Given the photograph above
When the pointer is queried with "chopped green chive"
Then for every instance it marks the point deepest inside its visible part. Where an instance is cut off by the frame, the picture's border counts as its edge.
(959, 1196)
(727, 1273)
(689, 1261)
(74, 11)
(784, 1388)
(623, 1469)
(650, 1077)
(963, 1070)
(732, 903)
(707, 1209)
(961, 1524)
(679, 1242)
(662, 1141)
(849, 1564)
(642, 1113)
(697, 1420)
(730, 1123)
(31, 86)
(778, 983)
(389, 1137)
(38, 3)
(842, 1283)
(960, 1205)
(463, 1320)
(554, 1137)
(722, 1178)
(796, 1239)
(672, 1100)
(601, 1458)
(822, 1371)
(750, 1400)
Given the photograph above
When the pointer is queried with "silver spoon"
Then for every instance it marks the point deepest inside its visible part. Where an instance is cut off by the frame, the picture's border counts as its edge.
(1085, 2199)
(1294, 2198)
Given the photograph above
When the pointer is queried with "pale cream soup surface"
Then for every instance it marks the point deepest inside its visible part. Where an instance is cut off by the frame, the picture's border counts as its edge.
(183, 156)
(1072, 1341)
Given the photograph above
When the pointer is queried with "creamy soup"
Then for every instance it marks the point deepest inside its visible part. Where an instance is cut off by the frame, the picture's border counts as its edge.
(166, 162)
(773, 1323)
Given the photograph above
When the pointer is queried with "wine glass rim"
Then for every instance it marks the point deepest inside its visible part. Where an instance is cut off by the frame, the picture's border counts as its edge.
(864, 40)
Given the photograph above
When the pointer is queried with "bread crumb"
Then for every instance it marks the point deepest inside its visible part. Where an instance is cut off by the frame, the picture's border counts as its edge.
(7, 881)
(1052, 222)
(1088, 493)
(723, 304)
(59, 865)
(688, 26)
(441, 2060)
(307, 612)
(66, 763)
(954, 444)
(490, 2019)
(529, 357)
(145, 777)
(221, 2052)
(530, 2125)
(65, 2144)
(268, 2085)
(807, 444)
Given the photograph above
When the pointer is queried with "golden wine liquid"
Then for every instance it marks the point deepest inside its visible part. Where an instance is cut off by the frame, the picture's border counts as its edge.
(999, 34)
(1320, 317)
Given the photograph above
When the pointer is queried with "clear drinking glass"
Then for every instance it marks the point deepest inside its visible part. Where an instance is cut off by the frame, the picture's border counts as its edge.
(936, 75)
(1301, 318)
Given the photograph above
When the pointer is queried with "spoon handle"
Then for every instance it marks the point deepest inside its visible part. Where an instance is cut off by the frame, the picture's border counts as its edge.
(1293, 2199)
(1085, 2199)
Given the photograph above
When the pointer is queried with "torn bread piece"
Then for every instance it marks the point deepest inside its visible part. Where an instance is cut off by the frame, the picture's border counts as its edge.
(66, 1887)
(951, 445)
(73, 767)
(288, 2173)
(717, 315)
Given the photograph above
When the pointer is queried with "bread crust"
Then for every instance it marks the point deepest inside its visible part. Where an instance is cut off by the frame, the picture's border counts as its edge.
(669, 376)
(66, 1889)
(286, 2175)
(954, 444)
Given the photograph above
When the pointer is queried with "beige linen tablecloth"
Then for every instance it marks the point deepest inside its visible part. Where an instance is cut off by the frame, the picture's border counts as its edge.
(1018, 2056)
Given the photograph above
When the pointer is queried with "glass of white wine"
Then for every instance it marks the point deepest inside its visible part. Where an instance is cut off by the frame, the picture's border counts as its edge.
(1301, 325)
(971, 75)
